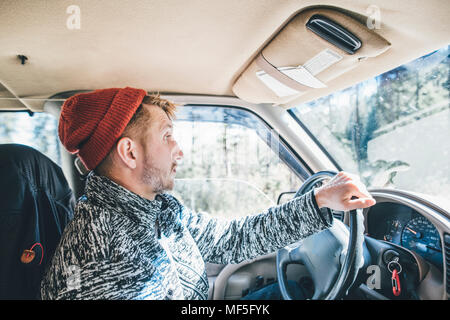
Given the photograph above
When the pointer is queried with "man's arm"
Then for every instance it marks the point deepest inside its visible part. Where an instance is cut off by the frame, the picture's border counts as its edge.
(221, 241)
(224, 241)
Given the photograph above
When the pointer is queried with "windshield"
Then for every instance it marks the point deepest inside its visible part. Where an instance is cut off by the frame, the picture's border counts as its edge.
(392, 130)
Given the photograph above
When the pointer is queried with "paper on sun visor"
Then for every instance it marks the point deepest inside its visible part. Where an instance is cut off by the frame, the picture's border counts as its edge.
(276, 86)
(322, 61)
(303, 74)
(306, 74)
(299, 74)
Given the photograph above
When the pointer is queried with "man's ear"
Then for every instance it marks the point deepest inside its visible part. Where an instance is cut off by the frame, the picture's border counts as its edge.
(127, 151)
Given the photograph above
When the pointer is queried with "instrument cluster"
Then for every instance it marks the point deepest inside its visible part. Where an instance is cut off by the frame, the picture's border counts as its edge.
(404, 226)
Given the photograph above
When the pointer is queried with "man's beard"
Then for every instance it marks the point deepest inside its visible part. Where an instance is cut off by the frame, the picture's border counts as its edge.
(156, 178)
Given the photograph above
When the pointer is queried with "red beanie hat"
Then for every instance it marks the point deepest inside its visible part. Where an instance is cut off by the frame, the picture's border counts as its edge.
(90, 123)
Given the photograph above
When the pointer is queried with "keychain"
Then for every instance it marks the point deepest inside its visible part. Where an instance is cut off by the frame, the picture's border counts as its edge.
(395, 268)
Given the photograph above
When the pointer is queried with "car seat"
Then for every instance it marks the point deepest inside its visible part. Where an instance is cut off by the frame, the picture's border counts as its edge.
(36, 205)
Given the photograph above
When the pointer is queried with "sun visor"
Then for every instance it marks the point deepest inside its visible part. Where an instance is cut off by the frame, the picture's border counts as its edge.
(311, 51)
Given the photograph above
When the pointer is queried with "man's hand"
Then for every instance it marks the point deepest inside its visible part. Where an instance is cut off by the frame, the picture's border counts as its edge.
(337, 193)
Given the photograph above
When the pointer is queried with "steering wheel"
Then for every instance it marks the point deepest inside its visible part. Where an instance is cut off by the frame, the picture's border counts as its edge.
(333, 256)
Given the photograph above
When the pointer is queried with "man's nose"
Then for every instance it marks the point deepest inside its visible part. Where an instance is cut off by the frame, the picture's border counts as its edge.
(178, 153)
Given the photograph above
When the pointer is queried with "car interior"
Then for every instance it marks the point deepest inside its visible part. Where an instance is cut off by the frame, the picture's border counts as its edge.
(249, 79)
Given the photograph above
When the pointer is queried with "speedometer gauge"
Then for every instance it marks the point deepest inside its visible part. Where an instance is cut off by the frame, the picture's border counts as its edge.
(422, 237)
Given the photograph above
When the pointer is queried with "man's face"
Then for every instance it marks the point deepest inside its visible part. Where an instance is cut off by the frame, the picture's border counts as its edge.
(161, 152)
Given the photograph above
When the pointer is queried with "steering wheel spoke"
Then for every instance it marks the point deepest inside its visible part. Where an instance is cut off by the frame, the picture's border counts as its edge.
(332, 256)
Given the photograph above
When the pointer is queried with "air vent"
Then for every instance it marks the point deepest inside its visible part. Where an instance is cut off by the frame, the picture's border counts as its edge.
(447, 260)
(339, 215)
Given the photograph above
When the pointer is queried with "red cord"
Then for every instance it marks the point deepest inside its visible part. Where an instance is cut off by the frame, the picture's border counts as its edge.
(42, 250)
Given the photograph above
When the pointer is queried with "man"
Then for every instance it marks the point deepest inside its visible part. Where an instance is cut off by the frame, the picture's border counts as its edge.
(129, 239)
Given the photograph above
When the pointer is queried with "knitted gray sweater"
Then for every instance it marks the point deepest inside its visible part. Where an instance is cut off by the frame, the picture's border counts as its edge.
(122, 246)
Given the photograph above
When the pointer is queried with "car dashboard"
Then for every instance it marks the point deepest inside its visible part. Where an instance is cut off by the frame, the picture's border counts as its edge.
(405, 227)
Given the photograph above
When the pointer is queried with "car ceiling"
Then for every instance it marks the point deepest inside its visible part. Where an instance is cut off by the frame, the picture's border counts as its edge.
(180, 47)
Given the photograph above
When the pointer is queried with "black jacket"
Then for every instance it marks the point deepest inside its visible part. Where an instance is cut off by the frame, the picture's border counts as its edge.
(36, 204)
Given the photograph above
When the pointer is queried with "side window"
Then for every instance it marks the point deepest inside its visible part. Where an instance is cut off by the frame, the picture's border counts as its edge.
(233, 165)
(39, 131)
